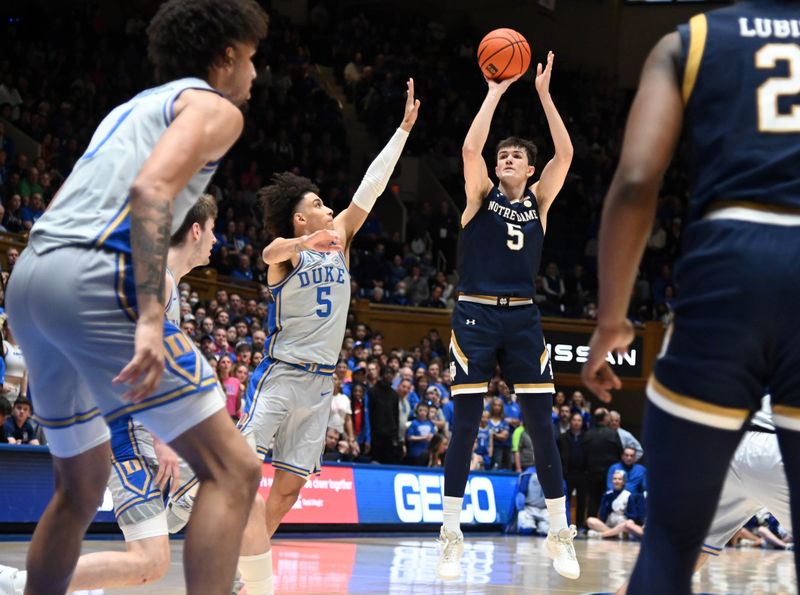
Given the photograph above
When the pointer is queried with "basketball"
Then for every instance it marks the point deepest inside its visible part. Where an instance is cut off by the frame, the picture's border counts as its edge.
(503, 54)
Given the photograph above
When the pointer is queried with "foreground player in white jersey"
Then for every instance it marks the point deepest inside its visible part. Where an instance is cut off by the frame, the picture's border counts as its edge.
(755, 480)
(87, 296)
(143, 466)
(289, 397)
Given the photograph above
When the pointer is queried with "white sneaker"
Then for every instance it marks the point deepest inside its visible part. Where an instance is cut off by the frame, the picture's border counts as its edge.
(592, 534)
(178, 513)
(451, 548)
(12, 580)
(562, 552)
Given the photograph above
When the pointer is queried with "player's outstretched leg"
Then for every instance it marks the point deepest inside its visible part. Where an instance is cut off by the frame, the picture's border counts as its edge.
(466, 419)
(537, 412)
(790, 449)
(229, 473)
(686, 467)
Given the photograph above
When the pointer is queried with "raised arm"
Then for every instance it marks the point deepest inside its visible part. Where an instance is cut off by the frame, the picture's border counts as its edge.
(476, 176)
(205, 128)
(349, 221)
(654, 126)
(555, 172)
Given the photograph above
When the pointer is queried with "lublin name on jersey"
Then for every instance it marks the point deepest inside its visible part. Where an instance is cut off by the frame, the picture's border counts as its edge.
(325, 274)
(778, 28)
(511, 214)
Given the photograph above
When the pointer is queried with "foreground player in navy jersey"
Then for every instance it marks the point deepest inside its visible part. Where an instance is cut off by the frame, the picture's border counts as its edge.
(733, 76)
(495, 319)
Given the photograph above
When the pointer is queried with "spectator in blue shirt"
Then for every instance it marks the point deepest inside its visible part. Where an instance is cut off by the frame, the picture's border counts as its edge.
(32, 212)
(418, 436)
(483, 442)
(243, 271)
(620, 511)
(636, 474)
(18, 427)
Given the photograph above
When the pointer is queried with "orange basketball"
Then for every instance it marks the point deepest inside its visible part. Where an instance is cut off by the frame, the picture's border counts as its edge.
(503, 54)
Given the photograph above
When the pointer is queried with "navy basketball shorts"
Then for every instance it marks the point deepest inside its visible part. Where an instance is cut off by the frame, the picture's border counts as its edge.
(485, 335)
(736, 330)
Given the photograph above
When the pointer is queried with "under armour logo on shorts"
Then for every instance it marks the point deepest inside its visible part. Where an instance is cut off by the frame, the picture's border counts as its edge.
(470, 322)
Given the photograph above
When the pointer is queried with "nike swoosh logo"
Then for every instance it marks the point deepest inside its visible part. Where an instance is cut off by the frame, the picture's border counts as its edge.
(326, 393)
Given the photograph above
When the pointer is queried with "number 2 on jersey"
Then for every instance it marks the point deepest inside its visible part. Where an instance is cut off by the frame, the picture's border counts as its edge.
(323, 293)
(515, 238)
(770, 119)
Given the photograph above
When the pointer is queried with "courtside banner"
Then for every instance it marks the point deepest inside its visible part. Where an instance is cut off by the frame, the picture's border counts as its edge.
(342, 494)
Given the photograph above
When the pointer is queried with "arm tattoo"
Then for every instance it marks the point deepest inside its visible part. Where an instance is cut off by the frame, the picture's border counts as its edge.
(151, 222)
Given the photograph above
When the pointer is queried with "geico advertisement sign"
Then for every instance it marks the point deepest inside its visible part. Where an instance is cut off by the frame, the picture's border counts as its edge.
(418, 499)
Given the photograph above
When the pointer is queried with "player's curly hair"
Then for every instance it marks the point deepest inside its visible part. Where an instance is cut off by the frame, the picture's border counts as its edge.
(186, 37)
(513, 141)
(280, 200)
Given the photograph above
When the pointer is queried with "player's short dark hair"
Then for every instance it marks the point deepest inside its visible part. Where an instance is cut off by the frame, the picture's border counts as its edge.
(186, 37)
(515, 141)
(204, 209)
(280, 200)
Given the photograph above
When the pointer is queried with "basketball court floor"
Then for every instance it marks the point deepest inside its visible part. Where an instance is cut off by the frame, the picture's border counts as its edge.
(400, 565)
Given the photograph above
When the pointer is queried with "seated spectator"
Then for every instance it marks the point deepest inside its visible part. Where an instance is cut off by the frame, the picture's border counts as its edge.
(399, 296)
(620, 512)
(417, 286)
(243, 271)
(553, 285)
(336, 447)
(628, 440)
(534, 514)
(19, 429)
(522, 449)
(477, 461)
(5, 411)
(33, 211)
(418, 436)
(437, 450)
(435, 299)
(12, 220)
(635, 474)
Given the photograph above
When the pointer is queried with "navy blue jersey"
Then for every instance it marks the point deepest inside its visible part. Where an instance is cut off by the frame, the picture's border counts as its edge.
(741, 87)
(501, 247)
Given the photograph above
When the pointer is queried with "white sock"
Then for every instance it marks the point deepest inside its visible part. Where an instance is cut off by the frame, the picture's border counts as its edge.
(257, 573)
(452, 514)
(557, 511)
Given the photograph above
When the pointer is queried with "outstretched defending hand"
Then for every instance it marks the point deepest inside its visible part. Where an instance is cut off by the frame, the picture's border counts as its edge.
(323, 240)
(597, 374)
(412, 108)
(542, 81)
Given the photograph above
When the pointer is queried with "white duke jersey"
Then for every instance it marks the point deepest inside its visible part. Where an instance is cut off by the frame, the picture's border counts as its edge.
(173, 309)
(92, 208)
(308, 317)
